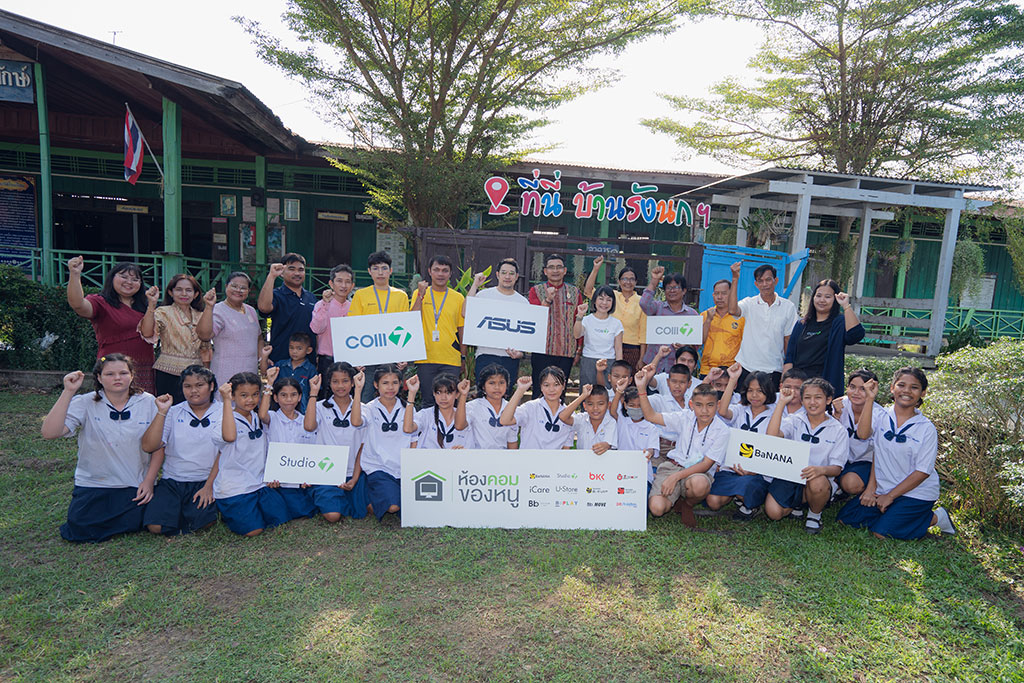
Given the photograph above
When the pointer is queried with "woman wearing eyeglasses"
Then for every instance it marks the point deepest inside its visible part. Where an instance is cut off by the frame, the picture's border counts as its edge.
(627, 310)
(234, 328)
(115, 313)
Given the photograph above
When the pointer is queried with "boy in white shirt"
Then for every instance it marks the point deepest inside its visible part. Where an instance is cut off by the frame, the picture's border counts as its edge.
(595, 429)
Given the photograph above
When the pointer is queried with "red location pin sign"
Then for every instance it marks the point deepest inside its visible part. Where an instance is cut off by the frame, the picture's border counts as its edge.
(496, 189)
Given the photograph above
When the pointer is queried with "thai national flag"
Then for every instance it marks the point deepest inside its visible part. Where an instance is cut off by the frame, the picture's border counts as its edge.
(132, 148)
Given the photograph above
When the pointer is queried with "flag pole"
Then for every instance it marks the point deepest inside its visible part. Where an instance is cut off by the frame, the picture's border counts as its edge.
(146, 143)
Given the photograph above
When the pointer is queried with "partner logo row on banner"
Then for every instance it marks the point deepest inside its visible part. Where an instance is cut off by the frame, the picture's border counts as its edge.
(521, 327)
(524, 489)
(377, 339)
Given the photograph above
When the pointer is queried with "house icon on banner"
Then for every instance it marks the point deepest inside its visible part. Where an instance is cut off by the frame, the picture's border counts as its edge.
(429, 486)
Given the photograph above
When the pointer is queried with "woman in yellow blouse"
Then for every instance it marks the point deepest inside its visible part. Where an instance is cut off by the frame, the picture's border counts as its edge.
(174, 326)
(627, 310)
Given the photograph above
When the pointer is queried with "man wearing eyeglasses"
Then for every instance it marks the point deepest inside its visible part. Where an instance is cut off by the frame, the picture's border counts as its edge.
(675, 290)
(561, 299)
(769, 320)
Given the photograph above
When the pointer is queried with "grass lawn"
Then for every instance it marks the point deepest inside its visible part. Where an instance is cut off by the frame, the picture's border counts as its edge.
(361, 600)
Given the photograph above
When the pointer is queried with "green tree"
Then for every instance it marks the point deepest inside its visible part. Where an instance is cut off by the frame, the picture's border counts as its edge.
(903, 88)
(440, 93)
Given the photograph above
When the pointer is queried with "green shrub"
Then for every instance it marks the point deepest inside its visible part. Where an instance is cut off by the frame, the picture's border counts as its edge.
(885, 368)
(38, 330)
(974, 399)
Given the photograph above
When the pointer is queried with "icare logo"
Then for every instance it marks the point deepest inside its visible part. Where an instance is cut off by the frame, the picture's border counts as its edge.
(746, 450)
(326, 465)
(398, 337)
(505, 325)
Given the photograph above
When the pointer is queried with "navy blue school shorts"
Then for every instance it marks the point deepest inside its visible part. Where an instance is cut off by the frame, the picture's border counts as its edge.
(336, 499)
(174, 510)
(383, 491)
(247, 512)
(861, 469)
(752, 488)
(907, 518)
(298, 501)
(97, 514)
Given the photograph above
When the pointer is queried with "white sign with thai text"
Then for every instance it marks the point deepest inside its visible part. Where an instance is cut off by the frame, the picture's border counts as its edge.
(540, 489)
(293, 463)
(522, 327)
(772, 456)
(377, 339)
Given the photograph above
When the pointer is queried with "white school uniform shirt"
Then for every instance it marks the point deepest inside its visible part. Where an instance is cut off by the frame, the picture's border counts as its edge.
(329, 435)
(833, 445)
(895, 461)
(242, 462)
(638, 436)
(599, 336)
(743, 417)
(110, 452)
(661, 385)
(495, 294)
(587, 436)
(479, 413)
(694, 445)
(189, 451)
(429, 429)
(382, 451)
(284, 430)
(761, 348)
(664, 404)
(861, 450)
(532, 417)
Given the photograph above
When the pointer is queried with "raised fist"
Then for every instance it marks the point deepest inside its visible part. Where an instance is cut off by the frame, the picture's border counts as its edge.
(76, 265)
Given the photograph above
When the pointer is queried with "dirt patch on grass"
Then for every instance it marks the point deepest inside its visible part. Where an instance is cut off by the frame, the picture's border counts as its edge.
(9, 462)
(149, 656)
(227, 594)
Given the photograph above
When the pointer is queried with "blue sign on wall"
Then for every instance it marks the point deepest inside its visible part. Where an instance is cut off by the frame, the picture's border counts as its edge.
(16, 82)
(17, 219)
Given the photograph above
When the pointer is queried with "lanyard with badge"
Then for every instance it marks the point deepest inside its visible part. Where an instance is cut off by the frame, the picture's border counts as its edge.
(436, 336)
(387, 300)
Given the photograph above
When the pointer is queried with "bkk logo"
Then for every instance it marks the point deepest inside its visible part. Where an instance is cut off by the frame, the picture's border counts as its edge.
(505, 325)
(397, 337)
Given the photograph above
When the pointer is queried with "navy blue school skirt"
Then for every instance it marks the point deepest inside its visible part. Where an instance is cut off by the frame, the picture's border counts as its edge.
(383, 491)
(336, 499)
(97, 514)
(298, 501)
(174, 510)
(907, 518)
(246, 512)
(787, 494)
(751, 487)
(861, 469)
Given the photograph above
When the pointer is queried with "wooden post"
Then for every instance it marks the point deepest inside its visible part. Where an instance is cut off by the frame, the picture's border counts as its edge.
(45, 180)
(862, 257)
(741, 215)
(799, 241)
(941, 302)
(172, 187)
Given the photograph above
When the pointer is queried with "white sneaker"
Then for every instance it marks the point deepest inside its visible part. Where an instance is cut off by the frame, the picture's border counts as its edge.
(943, 521)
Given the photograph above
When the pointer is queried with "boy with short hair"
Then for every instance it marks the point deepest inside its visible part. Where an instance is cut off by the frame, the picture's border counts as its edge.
(793, 379)
(594, 428)
(620, 370)
(297, 365)
(684, 480)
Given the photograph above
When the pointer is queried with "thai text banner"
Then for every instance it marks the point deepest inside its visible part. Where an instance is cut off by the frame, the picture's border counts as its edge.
(521, 327)
(377, 339)
(769, 455)
(542, 489)
(293, 463)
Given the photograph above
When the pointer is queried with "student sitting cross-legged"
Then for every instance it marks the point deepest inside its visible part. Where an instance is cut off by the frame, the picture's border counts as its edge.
(595, 427)
(684, 479)
(903, 486)
(829, 446)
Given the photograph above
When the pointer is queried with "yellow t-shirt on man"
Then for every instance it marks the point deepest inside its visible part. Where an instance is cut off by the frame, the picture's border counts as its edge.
(448, 313)
(723, 343)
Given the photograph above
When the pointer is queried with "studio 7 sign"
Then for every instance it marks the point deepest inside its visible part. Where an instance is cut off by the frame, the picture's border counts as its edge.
(291, 463)
(675, 329)
(522, 327)
(376, 339)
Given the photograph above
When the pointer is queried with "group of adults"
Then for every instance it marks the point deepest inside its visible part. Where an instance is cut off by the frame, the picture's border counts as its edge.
(763, 332)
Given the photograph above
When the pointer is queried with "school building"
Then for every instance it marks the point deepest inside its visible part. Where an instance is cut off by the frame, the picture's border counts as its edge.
(235, 189)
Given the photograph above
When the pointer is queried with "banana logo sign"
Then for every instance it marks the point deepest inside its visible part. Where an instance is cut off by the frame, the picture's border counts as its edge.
(746, 450)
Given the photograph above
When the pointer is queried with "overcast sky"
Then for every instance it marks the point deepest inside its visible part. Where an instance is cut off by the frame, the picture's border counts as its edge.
(600, 129)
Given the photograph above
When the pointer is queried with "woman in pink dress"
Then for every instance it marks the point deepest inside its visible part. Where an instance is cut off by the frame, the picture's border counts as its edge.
(234, 328)
(115, 314)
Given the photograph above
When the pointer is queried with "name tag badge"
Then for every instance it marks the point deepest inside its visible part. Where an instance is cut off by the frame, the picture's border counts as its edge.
(436, 336)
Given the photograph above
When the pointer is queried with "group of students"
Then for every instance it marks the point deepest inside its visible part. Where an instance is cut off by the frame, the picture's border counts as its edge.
(148, 462)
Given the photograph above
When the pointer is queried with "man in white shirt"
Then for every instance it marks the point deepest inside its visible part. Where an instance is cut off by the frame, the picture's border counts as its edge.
(508, 273)
(769, 320)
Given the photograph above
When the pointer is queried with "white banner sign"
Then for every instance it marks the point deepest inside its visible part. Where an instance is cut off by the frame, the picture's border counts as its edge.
(524, 489)
(769, 455)
(675, 329)
(292, 463)
(522, 327)
(376, 339)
